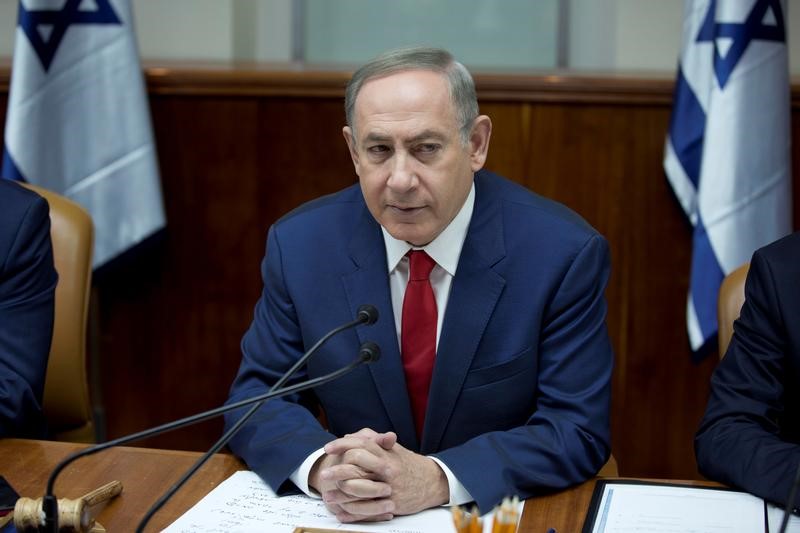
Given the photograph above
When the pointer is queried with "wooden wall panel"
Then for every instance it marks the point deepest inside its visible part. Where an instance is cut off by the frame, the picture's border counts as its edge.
(238, 149)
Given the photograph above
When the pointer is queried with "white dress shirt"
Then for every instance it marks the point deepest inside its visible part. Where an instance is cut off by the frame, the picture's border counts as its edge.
(445, 250)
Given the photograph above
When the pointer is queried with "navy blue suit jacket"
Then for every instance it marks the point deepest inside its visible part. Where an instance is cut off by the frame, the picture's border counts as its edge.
(27, 289)
(750, 435)
(519, 399)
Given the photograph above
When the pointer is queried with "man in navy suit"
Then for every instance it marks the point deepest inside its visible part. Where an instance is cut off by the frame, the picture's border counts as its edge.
(27, 292)
(750, 435)
(518, 397)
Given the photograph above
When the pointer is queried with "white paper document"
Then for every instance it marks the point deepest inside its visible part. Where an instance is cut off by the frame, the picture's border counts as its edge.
(625, 508)
(244, 503)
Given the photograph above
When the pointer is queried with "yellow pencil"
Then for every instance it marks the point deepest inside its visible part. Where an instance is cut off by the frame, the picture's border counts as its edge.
(508, 517)
(513, 514)
(505, 516)
(475, 522)
(458, 519)
(497, 521)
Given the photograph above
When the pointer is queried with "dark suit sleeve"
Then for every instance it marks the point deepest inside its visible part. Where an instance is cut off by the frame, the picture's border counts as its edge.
(566, 440)
(284, 432)
(27, 291)
(739, 441)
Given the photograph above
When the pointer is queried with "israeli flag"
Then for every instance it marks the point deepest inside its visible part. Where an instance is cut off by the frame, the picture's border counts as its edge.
(728, 148)
(78, 122)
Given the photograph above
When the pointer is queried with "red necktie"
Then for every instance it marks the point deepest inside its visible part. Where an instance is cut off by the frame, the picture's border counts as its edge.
(418, 334)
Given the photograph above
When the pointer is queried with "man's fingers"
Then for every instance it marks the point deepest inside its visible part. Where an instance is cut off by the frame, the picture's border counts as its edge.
(335, 497)
(386, 440)
(334, 508)
(345, 471)
(370, 460)
(363, 510)
(361, 439)
(342, 444)
(363, 433)
(364, 454)
(365, 488)
(343, 516)
(357, 489)
(346, 518)
(349, 508)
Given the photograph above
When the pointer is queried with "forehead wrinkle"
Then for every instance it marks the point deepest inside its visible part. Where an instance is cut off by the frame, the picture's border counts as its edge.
(427, 134)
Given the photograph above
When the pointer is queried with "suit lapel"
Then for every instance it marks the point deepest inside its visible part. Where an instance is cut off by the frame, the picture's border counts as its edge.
(369, 283)
(474, 293)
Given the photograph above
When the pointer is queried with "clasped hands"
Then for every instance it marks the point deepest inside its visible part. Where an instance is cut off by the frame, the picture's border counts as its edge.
(368, 476)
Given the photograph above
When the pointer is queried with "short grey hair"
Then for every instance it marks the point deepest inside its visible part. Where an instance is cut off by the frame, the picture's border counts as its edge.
(462, 87)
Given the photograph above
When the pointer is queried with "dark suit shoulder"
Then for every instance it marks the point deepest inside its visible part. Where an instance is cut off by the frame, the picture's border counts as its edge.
(15, 200)
(21, 211)
(773, 286)
(783, 253)
(317, 207)
(322, 226)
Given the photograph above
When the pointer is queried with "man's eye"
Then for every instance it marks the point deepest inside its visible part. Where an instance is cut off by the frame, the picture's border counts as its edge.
(427, 148)
(378, 149)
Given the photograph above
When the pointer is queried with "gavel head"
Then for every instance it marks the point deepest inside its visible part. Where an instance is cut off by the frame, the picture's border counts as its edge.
(73, 515)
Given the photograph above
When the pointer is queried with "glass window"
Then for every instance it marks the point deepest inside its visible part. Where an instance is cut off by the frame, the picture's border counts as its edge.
(483, 34)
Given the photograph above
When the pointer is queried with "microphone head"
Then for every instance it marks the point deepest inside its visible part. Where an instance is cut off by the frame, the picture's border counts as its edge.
(369, 352)
(368, 314)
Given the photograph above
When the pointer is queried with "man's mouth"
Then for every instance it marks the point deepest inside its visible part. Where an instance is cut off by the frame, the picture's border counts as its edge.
(405, 209)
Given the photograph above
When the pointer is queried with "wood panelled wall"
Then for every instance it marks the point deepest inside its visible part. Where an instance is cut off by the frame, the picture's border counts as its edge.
(240, 147)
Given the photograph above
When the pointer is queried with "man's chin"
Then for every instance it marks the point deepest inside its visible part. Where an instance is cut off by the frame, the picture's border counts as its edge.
(413, 236)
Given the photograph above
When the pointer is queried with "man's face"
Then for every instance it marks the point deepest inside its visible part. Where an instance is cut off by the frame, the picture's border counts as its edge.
(415, 171)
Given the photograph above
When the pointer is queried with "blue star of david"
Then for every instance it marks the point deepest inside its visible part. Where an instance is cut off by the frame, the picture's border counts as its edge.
(743, 34)
(60, 20)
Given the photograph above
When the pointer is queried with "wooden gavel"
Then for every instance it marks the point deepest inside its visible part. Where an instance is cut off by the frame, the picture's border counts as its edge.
(73, 515)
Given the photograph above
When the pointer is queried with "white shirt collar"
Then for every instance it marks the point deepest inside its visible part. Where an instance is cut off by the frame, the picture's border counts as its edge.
(445, 249)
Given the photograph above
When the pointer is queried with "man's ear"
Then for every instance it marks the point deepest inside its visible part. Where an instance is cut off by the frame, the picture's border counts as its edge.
(479, 141)
(351, 147)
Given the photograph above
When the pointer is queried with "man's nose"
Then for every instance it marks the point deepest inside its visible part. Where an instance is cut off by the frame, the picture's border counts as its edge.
(402, 177)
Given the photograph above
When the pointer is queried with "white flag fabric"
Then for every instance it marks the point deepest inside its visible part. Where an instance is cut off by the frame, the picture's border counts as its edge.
(78, 122)
(727, 153)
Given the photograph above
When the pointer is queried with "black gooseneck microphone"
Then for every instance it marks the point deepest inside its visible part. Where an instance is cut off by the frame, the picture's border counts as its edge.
(367, 353)
(787, 511)
(366, 314)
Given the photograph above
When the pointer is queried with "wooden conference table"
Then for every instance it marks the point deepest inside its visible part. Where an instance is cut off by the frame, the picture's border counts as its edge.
(147, 473)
